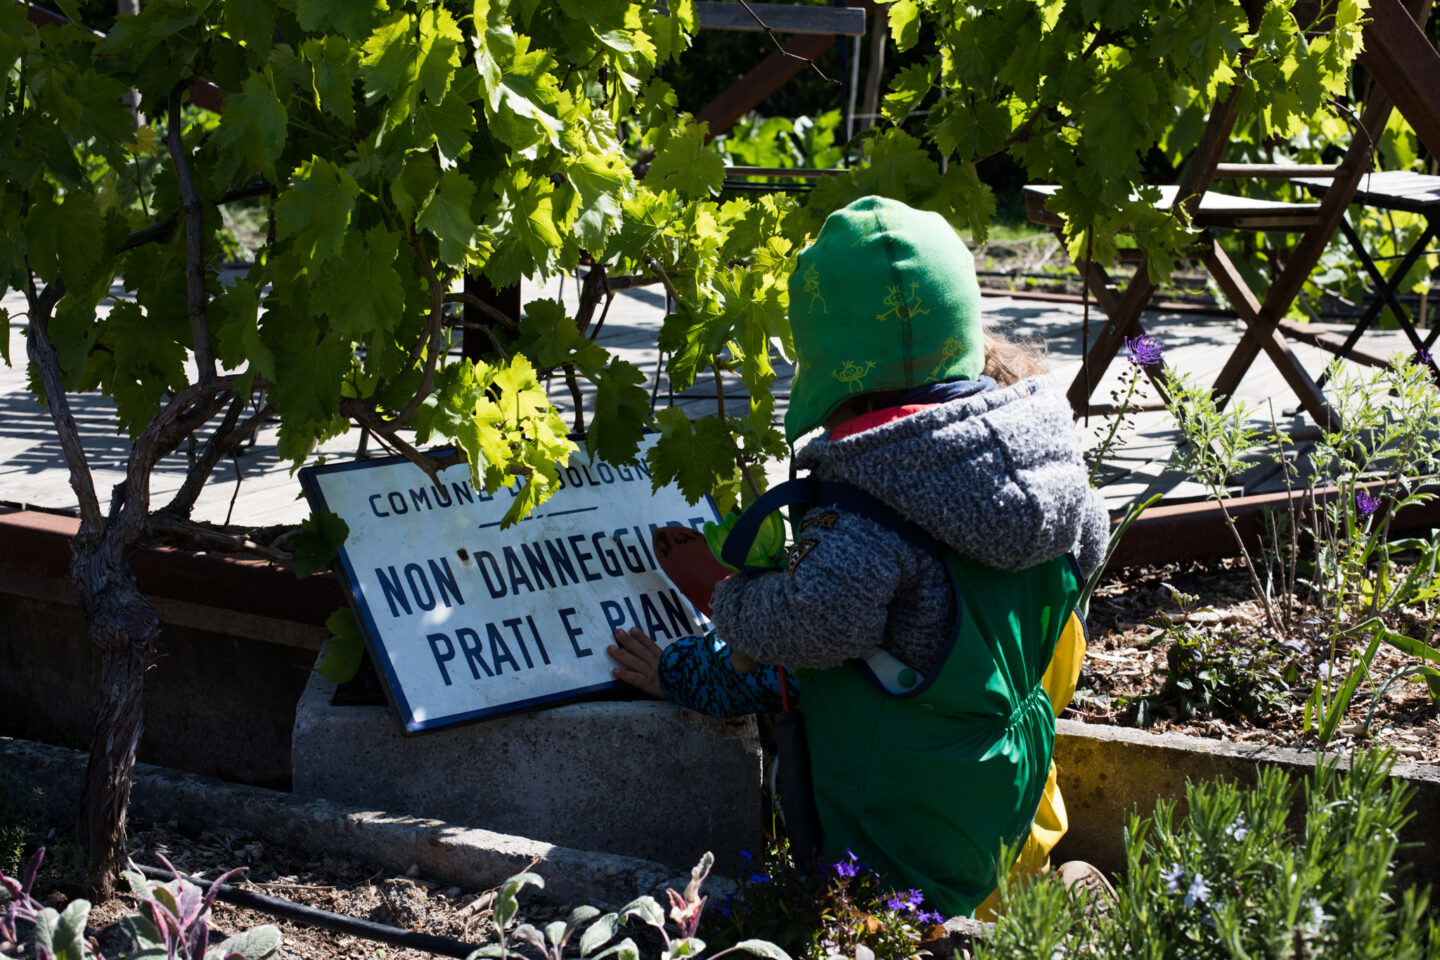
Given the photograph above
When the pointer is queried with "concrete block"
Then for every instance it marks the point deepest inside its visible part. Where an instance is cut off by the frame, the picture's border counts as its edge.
(640, 778)
(1105, 772)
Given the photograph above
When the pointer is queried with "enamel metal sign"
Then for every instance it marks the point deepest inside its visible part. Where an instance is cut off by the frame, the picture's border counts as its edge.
(465, 620)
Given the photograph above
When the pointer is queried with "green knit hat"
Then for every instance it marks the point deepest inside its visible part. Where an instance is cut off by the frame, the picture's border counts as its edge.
(884, 299)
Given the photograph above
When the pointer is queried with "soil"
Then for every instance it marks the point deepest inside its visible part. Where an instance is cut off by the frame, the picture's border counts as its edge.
(1126, 666)
(345, 887)
(1124, 681)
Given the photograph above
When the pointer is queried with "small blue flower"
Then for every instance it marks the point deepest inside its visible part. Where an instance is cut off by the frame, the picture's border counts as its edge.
(1366, 503)
(1197, 893)
(1237, 831)
(930, 916)
(1144, 350)
(759, 878)
(915, 897)
(746, 855)
(845, 869)
(898, 904)
(1172, 878)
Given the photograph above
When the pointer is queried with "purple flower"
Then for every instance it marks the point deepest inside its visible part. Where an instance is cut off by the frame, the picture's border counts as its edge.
(1172, 877)
(1422, 357)
(759, 878)
(747, 855)
(898, 904)
(1197, 893)
(930, 916)
(845, 869)
(1366, 503)
(1144, 350)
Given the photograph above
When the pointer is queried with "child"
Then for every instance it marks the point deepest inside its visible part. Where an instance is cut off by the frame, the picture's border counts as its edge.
(918, 632)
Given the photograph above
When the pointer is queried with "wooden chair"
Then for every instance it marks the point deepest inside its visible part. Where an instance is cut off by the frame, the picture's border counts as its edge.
(1315, 224)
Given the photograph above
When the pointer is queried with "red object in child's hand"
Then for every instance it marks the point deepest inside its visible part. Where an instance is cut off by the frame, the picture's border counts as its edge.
(685, 558)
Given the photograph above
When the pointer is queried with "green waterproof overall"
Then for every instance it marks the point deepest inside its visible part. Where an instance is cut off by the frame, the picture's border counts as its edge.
(925, 785)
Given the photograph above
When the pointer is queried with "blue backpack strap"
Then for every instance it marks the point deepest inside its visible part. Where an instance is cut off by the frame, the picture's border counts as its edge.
(812, 492)
(736, 548)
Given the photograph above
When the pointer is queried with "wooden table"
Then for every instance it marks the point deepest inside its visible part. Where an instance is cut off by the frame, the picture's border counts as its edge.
(1390, 190)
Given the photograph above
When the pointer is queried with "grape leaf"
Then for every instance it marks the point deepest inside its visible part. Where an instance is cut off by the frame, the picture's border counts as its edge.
(672, 33)
(622, 410)
(307, 383)
(344, 648)
(315, 209)
(601, 180)
(440, 42)
(62, 240)
(908, 89)
(389, 58)
(333, 72)
(360, 290)
(353, 19)
(520, 103)
(529, 225)
(450, 122)
(904, 23)
(321, 536)
(236, 313)
(691, 455)
(252, 130)
(446, 214)
(684, 164)
(144, 366)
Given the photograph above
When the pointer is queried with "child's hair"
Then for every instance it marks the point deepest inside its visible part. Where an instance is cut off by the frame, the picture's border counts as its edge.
(1010, 361)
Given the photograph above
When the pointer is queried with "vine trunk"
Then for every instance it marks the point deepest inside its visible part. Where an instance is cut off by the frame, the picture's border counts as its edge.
(123, 625)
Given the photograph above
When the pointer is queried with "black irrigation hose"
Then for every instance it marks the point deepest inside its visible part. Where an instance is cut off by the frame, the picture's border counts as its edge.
(310, 916)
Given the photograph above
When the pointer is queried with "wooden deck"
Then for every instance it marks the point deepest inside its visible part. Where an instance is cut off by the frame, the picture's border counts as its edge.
(257, 489)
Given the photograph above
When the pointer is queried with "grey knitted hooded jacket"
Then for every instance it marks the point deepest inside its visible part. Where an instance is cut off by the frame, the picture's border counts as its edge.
(997, 476)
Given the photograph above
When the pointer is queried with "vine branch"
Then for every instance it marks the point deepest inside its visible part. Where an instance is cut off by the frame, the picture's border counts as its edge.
(195, 296)
(437, 326)
(168, 528)
(590, 293)
(42, 354)
(225, 438)
(161, 229)
(489, 309)
(388, 432)
(659, 272)
(480, 328)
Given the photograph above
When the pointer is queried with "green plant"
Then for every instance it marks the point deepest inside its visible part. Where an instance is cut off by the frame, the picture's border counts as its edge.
(1214, 445)
(551, 943)
(1383, 454)
(173, 922)
(20, 826)
(1226, 672)
(819, 910)
(1335, 689)
(782, 142)
(1232, 879)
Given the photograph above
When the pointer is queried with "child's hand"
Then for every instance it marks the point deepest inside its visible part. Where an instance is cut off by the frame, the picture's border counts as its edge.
(639, 659)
